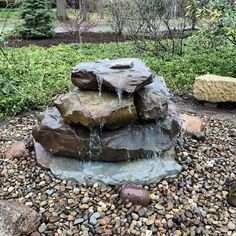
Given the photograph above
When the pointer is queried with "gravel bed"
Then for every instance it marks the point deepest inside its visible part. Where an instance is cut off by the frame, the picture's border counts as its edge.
(194, 203)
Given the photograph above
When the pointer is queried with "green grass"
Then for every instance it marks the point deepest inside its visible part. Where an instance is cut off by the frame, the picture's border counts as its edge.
(33, 76)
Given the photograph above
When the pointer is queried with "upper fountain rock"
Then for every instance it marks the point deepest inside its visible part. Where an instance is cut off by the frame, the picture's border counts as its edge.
(152, 101)
(122, 75)
(127, 143)
(91, 109)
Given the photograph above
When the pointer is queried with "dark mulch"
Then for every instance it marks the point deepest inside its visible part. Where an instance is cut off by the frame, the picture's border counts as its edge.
(88, 37)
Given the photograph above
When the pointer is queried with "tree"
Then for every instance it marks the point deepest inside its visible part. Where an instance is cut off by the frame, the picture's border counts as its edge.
(37, 19)
(80, 21)
(61, 10)
(150, 23)
(100, 9)
(117, 11)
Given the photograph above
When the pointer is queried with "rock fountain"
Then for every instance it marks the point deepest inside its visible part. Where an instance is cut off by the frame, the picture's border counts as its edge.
(114, 127)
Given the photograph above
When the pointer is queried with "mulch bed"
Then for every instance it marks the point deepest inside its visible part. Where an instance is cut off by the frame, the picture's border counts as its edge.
(66, 38)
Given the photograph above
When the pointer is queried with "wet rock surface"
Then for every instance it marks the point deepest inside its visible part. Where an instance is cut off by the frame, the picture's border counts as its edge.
(128, 143)
(116, 75)
(152, 101)
(17, 219)
(112, 173)
(91, 109)
(193, 203)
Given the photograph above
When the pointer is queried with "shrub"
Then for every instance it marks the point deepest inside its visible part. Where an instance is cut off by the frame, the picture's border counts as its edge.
(221, 20)
(37, 19)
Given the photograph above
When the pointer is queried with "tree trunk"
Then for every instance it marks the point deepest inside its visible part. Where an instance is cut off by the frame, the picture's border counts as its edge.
(83, 10)
(194, 18)
(61, 10)
(99, 8)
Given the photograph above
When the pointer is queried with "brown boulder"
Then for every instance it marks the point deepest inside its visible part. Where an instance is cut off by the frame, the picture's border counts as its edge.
(192, 124)
(132, 142)
(151, 101)
(135, 194)
(122, 75)
(17, 219)
(16, 150)
(91, 110)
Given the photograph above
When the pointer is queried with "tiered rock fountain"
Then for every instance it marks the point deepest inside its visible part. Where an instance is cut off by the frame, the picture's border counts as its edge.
(114, 127)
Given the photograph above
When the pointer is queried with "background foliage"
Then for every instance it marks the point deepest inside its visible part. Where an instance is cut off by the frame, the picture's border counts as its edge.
(219, 20)
(33, 76)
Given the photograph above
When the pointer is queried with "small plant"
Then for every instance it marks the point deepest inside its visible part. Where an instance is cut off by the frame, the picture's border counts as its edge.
(37, 19)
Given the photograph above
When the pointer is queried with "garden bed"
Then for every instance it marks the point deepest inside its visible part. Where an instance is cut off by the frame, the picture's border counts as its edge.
(66, 38)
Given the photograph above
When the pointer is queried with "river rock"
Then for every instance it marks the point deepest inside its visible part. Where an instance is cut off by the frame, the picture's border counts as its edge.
(90, 109)
(192, 124)
(135, 194)
(151, 101)
(17, 219)
(122, 75)
(213, 88)
(128, 143)
(17, 150)
(232, 195)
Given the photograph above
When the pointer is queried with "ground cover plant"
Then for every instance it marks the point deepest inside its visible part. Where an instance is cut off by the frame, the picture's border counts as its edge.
(30, 77)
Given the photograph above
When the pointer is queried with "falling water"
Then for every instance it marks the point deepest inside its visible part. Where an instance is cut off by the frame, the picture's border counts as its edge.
(100, 82)
(119, 93)
(95, 145)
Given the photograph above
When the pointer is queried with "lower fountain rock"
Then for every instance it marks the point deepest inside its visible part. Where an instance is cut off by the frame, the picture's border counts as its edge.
(128, 143)
(91, 109)
(152, 101)
(142, 171)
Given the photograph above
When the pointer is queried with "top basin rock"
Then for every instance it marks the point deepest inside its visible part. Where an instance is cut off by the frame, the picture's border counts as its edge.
(122, 75)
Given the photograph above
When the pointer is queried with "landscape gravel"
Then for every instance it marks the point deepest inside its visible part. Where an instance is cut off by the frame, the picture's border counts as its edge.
(194, 203)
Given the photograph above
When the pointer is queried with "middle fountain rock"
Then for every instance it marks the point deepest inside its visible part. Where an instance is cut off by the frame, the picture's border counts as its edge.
(90, 109)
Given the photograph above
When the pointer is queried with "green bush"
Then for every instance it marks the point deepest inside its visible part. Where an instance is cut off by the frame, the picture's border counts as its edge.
(221, 21)
(34, 75)
(37, 19)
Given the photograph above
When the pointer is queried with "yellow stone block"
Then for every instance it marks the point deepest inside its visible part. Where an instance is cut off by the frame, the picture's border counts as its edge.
(213, 88)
